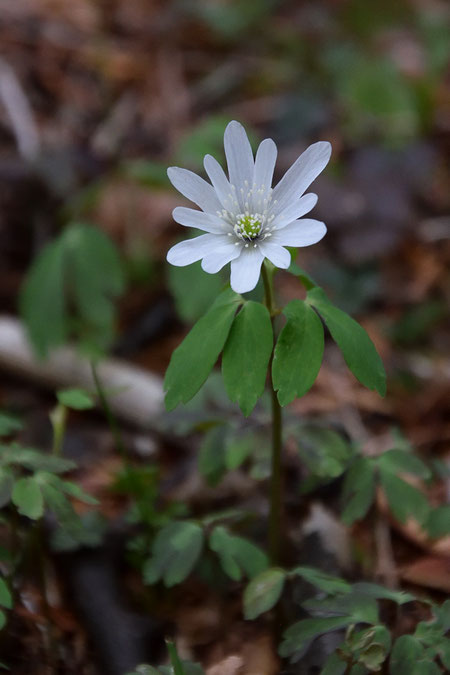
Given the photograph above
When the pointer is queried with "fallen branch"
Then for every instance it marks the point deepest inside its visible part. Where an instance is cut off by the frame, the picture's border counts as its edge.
(136, 396)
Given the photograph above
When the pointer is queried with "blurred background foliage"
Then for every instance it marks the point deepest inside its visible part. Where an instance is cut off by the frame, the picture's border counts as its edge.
(113, 92)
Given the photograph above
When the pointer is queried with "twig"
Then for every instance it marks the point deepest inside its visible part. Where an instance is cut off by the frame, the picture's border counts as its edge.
(386, 569)
(19, 112)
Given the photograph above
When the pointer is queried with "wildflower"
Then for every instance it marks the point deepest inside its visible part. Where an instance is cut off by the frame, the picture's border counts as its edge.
(246, 220)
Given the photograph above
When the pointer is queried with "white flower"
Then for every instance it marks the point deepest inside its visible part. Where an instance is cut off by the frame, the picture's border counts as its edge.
(247, 220)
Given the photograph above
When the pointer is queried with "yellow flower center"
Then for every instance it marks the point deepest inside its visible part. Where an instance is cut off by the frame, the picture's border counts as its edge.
(248, 226)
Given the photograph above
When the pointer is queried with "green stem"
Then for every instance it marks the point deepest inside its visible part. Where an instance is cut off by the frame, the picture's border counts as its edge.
(58, 418)
(269, 301)
(174, 658)
(276, 477)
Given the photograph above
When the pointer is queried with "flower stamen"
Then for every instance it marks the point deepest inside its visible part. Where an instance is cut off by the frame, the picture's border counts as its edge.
(248, 226)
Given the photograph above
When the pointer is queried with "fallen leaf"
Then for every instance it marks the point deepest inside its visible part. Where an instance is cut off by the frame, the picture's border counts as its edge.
(429, 571)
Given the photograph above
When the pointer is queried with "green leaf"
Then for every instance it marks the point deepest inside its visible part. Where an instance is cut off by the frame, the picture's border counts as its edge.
(144, 669)
(5, 595)
(402, 461)
(428, 632)
(334, 665)
(225, 515)
(238, 448)
(246, 355)
(438, 522)
(95, 272)
(75, 528)
(211, 456)
(193, 290)
(251, 558)
(78, 399)
(298, 352)
(443, 649)
(56, 501)
(356, 641)
(427, 667)
(9, 424)
(373, 657)
(35, 460)
(404, 499)
(236, 554)
(407, 657)
(362, 608)
(358, 490)
(325, 582)
(377, 642)
(70, 287)
(2, 621)
(442, 614)
(42, 299)
(194, 358)
(260, 464)
(263, 592)
(298, 636)
(27, 496)
(192, 668)
(75, 491)
(6, 485)
(358, 670)
(357, 348)
(175, 552)
(219, 542)
(304, 278)
(382, 593)
(325, 452)
(90, 534)
(189, 668)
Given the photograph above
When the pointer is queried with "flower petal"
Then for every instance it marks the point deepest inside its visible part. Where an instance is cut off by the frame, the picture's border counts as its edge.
(214, 261)
(191, 250)
(245, 270)
(265, 159)
(202, 221)
(194, 188)
(220, 183)
(239, 158)
(302, 232)
(301, 174)
(295, 211)
(277, 255)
